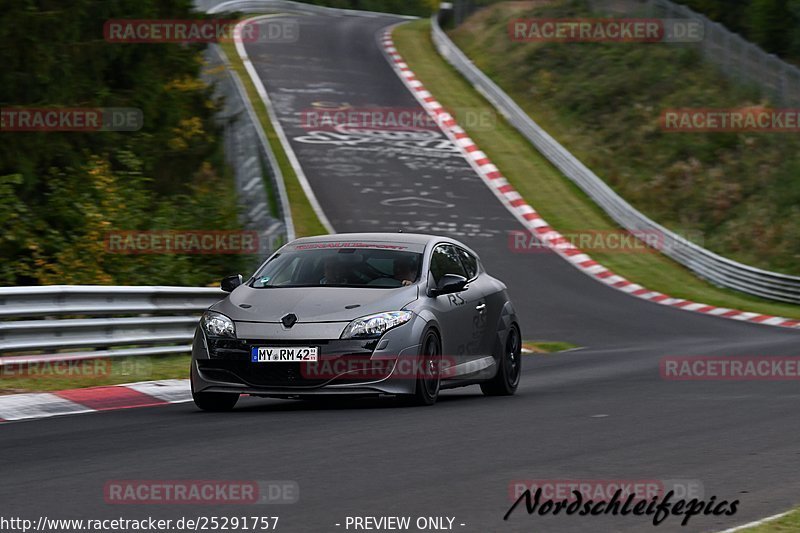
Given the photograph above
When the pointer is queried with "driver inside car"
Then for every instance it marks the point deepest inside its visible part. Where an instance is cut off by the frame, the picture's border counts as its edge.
(404, 271)
(333, 274)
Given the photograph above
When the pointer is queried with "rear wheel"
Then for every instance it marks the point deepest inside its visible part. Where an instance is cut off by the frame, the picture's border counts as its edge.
(428, 376)
(506, 381)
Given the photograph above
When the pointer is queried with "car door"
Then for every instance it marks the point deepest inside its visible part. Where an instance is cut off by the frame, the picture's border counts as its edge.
(458, 313)
(487, 307)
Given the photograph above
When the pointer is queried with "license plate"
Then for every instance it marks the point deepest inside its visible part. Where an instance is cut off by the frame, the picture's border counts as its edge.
(283, 354)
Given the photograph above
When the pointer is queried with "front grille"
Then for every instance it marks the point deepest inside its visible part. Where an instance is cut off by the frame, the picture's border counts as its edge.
(239, 349)
(258, 374)
(230, 362)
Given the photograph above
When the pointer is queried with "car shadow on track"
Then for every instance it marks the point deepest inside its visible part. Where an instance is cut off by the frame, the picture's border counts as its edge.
(254, 405)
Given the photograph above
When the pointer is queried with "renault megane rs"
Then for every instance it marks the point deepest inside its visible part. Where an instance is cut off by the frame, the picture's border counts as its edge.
(358, 314)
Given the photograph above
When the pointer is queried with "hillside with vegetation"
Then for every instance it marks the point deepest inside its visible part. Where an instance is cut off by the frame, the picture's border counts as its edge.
(603, 101)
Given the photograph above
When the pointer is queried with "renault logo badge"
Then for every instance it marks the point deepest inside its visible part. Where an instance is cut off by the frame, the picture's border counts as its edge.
(289, 320)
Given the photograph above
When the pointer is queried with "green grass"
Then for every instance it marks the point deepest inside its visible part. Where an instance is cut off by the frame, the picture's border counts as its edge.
(787, 524)
(559, 201)
(306, 222)
(92, 373)
(547, 346)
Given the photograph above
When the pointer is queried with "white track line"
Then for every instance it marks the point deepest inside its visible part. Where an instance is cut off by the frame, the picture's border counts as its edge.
(287, 147)
(756, 523)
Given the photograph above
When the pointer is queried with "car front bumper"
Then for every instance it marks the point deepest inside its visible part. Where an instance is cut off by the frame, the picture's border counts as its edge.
(345, 367)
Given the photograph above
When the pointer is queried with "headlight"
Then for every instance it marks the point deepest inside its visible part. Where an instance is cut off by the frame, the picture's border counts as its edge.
(374, 326)
(217, 325)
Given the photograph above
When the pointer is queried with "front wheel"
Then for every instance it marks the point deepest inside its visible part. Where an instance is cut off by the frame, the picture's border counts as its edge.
(214, 401)
(428, 376)
(506, 381)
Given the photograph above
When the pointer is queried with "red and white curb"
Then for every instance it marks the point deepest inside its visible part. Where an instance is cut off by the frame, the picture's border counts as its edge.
(534, 223)
(108, 398)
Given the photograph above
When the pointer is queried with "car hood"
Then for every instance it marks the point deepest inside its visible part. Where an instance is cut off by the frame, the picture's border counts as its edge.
(312, 304)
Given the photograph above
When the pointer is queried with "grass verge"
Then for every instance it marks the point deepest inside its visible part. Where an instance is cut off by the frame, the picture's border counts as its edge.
(42, 377)
(786, 524)
(305, 219)
(564, 206)
(538, 347)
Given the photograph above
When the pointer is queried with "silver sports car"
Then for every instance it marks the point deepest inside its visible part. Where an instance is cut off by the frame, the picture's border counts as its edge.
(358, 314)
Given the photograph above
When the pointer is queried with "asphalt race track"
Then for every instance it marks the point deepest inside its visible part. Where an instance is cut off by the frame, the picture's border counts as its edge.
(601, 412)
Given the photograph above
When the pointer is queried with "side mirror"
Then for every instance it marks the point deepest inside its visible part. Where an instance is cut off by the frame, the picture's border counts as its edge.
(231, 282)
(448, 284)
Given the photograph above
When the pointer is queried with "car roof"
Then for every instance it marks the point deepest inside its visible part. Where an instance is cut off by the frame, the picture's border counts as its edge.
(400, 238)
(419, 239)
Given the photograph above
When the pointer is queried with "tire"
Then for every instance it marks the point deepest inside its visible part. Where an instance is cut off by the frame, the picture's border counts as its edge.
(506, 381)
(214, 401)
(427, 383)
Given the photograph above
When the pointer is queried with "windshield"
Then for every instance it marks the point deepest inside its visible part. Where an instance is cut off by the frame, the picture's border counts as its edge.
(344, 267)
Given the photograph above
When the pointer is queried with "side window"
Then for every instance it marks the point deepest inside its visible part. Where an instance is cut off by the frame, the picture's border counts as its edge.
(469, 261)
(445, 261)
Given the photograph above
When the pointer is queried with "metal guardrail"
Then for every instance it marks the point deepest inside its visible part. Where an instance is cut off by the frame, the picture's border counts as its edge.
(98, 321)
(706, 264)
(734, 56)
(250, 156)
